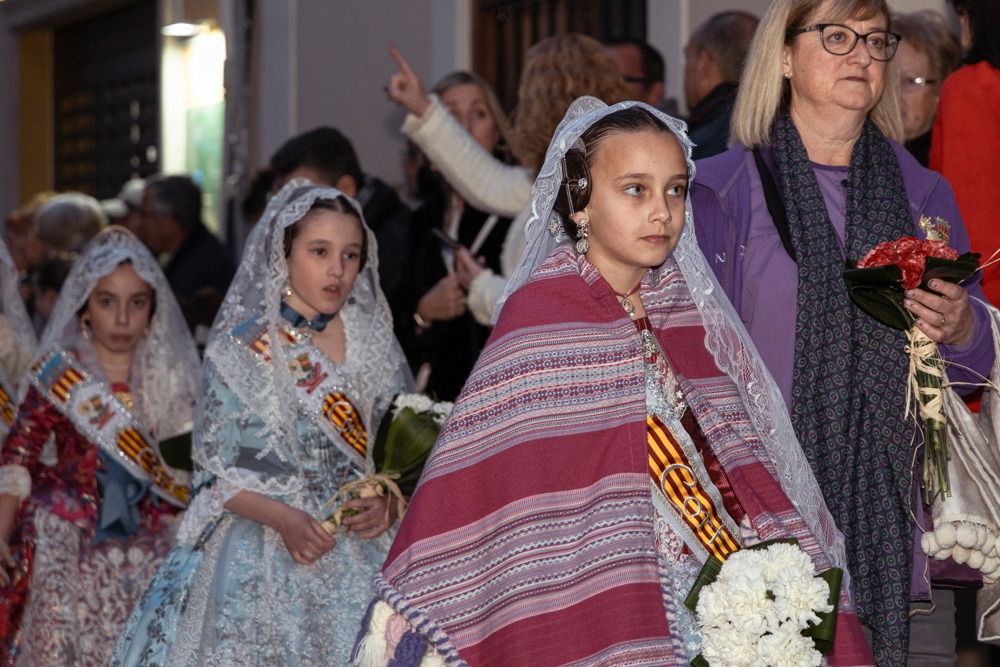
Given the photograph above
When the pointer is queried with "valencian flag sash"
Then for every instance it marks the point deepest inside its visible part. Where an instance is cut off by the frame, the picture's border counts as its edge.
(684, 494)
(323, 396)
(8, 409)
(98, 415)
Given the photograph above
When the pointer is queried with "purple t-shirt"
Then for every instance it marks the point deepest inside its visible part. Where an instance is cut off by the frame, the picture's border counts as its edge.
(768, 297)
(771, 282)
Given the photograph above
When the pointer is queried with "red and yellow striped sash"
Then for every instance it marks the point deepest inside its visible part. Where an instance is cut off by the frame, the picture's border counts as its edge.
(672, 474)
(338, 410)
(132, 443)
(337, 407)
(7, 408)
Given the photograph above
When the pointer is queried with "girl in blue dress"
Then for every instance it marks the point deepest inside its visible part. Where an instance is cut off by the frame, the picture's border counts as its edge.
(300, 367)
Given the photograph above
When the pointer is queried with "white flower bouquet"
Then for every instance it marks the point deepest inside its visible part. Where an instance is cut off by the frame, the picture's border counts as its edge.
(764, 606)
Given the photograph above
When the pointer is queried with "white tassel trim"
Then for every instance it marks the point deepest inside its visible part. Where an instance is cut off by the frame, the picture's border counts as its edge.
(16, 481)
(373, 649)
(966, 541)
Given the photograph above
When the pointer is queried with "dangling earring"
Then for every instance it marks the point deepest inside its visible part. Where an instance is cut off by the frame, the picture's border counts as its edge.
(85, 326)
(287, 292)
(582, 244)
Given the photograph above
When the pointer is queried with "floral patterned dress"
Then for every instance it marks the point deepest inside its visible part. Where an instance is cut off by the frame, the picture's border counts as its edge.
(70, 591)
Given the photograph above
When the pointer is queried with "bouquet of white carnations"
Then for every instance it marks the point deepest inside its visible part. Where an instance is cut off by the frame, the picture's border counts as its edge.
(764, 606)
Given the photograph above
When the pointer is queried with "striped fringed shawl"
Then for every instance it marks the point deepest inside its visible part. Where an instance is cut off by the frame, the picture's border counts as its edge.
(530, 538)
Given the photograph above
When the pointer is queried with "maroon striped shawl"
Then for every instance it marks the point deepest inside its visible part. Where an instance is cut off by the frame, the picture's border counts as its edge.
(530, 538)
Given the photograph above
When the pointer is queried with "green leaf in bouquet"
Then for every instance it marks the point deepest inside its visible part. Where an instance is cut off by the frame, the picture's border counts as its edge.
(824, 633)
(403, 444)
(878, 292)
(176, 451)
(953, 270)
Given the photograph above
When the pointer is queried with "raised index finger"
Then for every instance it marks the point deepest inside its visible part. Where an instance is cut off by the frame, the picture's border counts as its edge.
(404, 66)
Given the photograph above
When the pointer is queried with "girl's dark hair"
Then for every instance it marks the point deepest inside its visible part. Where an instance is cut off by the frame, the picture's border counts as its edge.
(577, 162)
(340, 205)
(984, 24)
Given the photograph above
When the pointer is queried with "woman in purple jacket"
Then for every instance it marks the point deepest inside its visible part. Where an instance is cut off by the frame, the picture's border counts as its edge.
(817, 177)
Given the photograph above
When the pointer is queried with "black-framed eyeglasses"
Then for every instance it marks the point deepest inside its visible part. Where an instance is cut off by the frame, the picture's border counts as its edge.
(840, 40)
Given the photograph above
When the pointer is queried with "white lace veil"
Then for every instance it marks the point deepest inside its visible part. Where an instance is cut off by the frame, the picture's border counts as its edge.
(374, 371)
(17, 337)
(163, 379)
(726, 338)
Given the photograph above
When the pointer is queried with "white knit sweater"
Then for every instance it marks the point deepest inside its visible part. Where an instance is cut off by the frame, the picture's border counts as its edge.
(484, 182)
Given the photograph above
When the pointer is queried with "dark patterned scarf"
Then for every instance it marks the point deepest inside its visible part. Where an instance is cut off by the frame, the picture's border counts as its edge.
(848, 391)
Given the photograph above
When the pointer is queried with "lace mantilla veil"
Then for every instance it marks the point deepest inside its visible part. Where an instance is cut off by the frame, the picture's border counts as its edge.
(163, 379)
(373, 372)
(726, 338)
(14, 323)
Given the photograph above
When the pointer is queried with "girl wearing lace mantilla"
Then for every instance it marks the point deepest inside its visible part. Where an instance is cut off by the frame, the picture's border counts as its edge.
(618, 430)
(87, 502)
(17, 340)
(300, 367)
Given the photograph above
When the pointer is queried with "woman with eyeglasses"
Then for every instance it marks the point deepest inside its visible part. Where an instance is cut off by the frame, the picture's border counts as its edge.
(928, 52)
(966, 133)
(818, 176)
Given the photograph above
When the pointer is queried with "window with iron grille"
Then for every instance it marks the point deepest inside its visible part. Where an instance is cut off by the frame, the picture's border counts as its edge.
(106, 96)
(504, 30)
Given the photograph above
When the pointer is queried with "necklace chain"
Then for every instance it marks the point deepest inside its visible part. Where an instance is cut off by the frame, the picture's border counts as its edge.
(626, 302)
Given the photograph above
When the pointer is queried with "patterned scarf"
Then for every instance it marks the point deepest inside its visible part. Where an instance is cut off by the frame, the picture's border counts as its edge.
(848, 390)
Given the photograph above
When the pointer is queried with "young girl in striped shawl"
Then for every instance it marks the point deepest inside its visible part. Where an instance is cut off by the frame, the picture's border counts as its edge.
(618, 430)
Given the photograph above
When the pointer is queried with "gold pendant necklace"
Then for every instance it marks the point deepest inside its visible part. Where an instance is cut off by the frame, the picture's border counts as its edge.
(626, 302)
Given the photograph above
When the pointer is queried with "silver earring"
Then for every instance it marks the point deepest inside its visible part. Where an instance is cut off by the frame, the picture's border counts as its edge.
(582, 244)
(287, 292)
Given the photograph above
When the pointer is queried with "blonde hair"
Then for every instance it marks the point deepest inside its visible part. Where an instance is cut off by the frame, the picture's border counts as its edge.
(558, 70)
(927, 32)
(466, 78)
(764, 92)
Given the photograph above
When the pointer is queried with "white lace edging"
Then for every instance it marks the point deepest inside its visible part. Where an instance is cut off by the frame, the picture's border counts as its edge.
(15, 480)
(374, 650)
(204, 508)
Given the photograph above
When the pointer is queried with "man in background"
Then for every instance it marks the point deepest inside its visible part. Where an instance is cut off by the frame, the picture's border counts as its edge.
(644, 71)
(713, 60)
(196, 264)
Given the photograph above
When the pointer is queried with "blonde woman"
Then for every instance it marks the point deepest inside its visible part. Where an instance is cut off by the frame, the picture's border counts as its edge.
(556, 71)
(819, 177)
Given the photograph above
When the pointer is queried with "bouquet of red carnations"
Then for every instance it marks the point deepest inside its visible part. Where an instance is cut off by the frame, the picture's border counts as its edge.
(878, 286)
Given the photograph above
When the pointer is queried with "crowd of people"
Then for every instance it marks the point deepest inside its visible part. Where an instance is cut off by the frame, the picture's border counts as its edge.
(642, 322)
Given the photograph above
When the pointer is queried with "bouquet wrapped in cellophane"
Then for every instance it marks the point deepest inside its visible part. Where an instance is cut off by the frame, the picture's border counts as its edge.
(403, 443)
(878, 286)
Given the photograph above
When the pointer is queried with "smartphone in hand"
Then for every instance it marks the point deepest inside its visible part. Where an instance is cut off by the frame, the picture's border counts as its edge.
(444, 238)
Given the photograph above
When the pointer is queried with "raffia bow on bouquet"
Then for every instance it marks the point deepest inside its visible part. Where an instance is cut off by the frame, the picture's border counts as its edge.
(878, 286)
(403, 443)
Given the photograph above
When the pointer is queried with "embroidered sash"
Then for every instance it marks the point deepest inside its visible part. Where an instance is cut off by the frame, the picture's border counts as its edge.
(98, 415)
(324, 397)
(7, 408)
(680, 483)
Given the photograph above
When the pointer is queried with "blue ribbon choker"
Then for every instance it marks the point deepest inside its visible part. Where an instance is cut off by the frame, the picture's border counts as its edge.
(298, 320)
